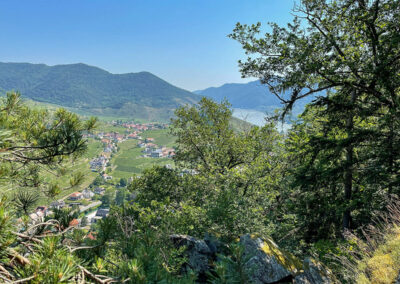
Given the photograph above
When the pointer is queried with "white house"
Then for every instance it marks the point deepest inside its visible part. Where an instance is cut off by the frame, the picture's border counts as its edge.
(87, 194)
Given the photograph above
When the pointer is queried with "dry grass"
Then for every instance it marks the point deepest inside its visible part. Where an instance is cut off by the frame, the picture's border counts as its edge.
(374, 257)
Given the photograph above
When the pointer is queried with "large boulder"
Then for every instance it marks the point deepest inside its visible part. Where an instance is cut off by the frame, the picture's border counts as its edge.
(314, 273)
(266, 263)
(197, 251)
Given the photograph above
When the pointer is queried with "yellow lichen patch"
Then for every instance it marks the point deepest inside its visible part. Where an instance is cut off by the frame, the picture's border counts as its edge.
(287, 260)
(255, 236)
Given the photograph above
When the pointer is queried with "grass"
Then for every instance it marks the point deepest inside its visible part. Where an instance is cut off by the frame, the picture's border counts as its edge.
(106, 127)
(383, 266)
(161, 137)
(128, 160)
(374, 256)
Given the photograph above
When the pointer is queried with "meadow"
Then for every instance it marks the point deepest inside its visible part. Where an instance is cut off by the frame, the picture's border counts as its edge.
(129, 161)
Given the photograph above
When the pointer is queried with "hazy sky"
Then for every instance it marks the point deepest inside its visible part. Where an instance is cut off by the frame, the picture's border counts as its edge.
(182, 41)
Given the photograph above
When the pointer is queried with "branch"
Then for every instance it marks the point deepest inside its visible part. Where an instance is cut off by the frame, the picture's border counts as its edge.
(23, 236)
(24, 280)
(14, 255)
(71, 249)
(5, 272)
(94, 277)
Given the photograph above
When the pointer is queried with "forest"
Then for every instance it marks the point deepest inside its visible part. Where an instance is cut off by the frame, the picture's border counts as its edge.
(316, 204)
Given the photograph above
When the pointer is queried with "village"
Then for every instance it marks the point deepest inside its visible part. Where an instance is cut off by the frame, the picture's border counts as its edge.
(133, 131)
(91, 202)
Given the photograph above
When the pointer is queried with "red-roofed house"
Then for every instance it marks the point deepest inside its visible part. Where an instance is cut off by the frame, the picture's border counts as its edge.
(91, 236)
(74, 223)
(75, 196)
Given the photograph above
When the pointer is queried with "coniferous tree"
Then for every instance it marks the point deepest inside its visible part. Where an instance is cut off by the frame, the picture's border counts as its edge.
(349, 51)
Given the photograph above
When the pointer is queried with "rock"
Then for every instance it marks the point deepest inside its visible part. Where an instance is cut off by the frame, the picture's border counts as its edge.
(266, 262)
(197, 251)
(302, 279)
(314, 273)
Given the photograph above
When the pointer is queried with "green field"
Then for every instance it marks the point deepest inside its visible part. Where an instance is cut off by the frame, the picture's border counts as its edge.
(106, 127)
(128, 161)
(161, 137)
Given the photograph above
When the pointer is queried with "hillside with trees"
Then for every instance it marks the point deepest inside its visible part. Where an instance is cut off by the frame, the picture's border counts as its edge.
(318, 204)
(91, 90)
(261, 98)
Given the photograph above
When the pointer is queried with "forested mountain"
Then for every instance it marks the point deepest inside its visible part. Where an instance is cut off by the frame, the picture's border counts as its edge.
(252, 95)
(93, 90)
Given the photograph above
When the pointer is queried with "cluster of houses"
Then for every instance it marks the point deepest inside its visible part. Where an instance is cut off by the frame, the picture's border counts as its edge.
(86, 194)
(109, 143)
(139, 126)
(99, 163)
(76, 196)
(40, 212)
(152, 150)
(73, 199)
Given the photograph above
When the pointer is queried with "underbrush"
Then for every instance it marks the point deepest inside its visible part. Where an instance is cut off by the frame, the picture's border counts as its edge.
(373, 257)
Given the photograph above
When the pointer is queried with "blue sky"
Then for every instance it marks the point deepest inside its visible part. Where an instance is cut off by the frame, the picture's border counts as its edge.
(182, 41)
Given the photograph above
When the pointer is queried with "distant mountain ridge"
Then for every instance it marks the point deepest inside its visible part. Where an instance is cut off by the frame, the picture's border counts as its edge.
(96, 91)
(250, 96)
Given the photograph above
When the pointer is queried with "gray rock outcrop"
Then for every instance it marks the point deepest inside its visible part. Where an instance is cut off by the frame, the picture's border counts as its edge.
(197, 252)
(314, 273)
(266, 262)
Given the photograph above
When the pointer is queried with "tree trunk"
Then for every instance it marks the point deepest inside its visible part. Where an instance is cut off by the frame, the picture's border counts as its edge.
(348, 187)
(391, 158)
(348, 174)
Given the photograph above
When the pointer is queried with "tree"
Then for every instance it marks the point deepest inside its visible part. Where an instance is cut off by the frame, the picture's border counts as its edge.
(232, 175)
(84, 221)
(351, 51)
(24, 201)
(98, 181)
(120, 197)
(208, 143)
(107, 198)
(158, 184)
(31, 140)
(123, 182)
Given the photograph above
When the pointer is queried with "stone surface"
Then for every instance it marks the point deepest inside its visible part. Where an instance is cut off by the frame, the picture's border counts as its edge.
(302, 279)
(197, 251)
(266, 262)
(314, 273)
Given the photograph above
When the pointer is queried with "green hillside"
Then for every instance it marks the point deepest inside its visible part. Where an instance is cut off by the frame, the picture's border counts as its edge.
(91, 90)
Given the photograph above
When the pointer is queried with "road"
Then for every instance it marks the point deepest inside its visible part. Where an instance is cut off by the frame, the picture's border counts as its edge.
(91, 205)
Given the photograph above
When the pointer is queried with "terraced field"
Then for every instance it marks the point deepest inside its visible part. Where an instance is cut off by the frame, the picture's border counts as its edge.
(161, 137)
(129, 161)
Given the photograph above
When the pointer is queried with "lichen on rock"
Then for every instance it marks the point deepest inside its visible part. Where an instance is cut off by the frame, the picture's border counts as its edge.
(267, 263)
